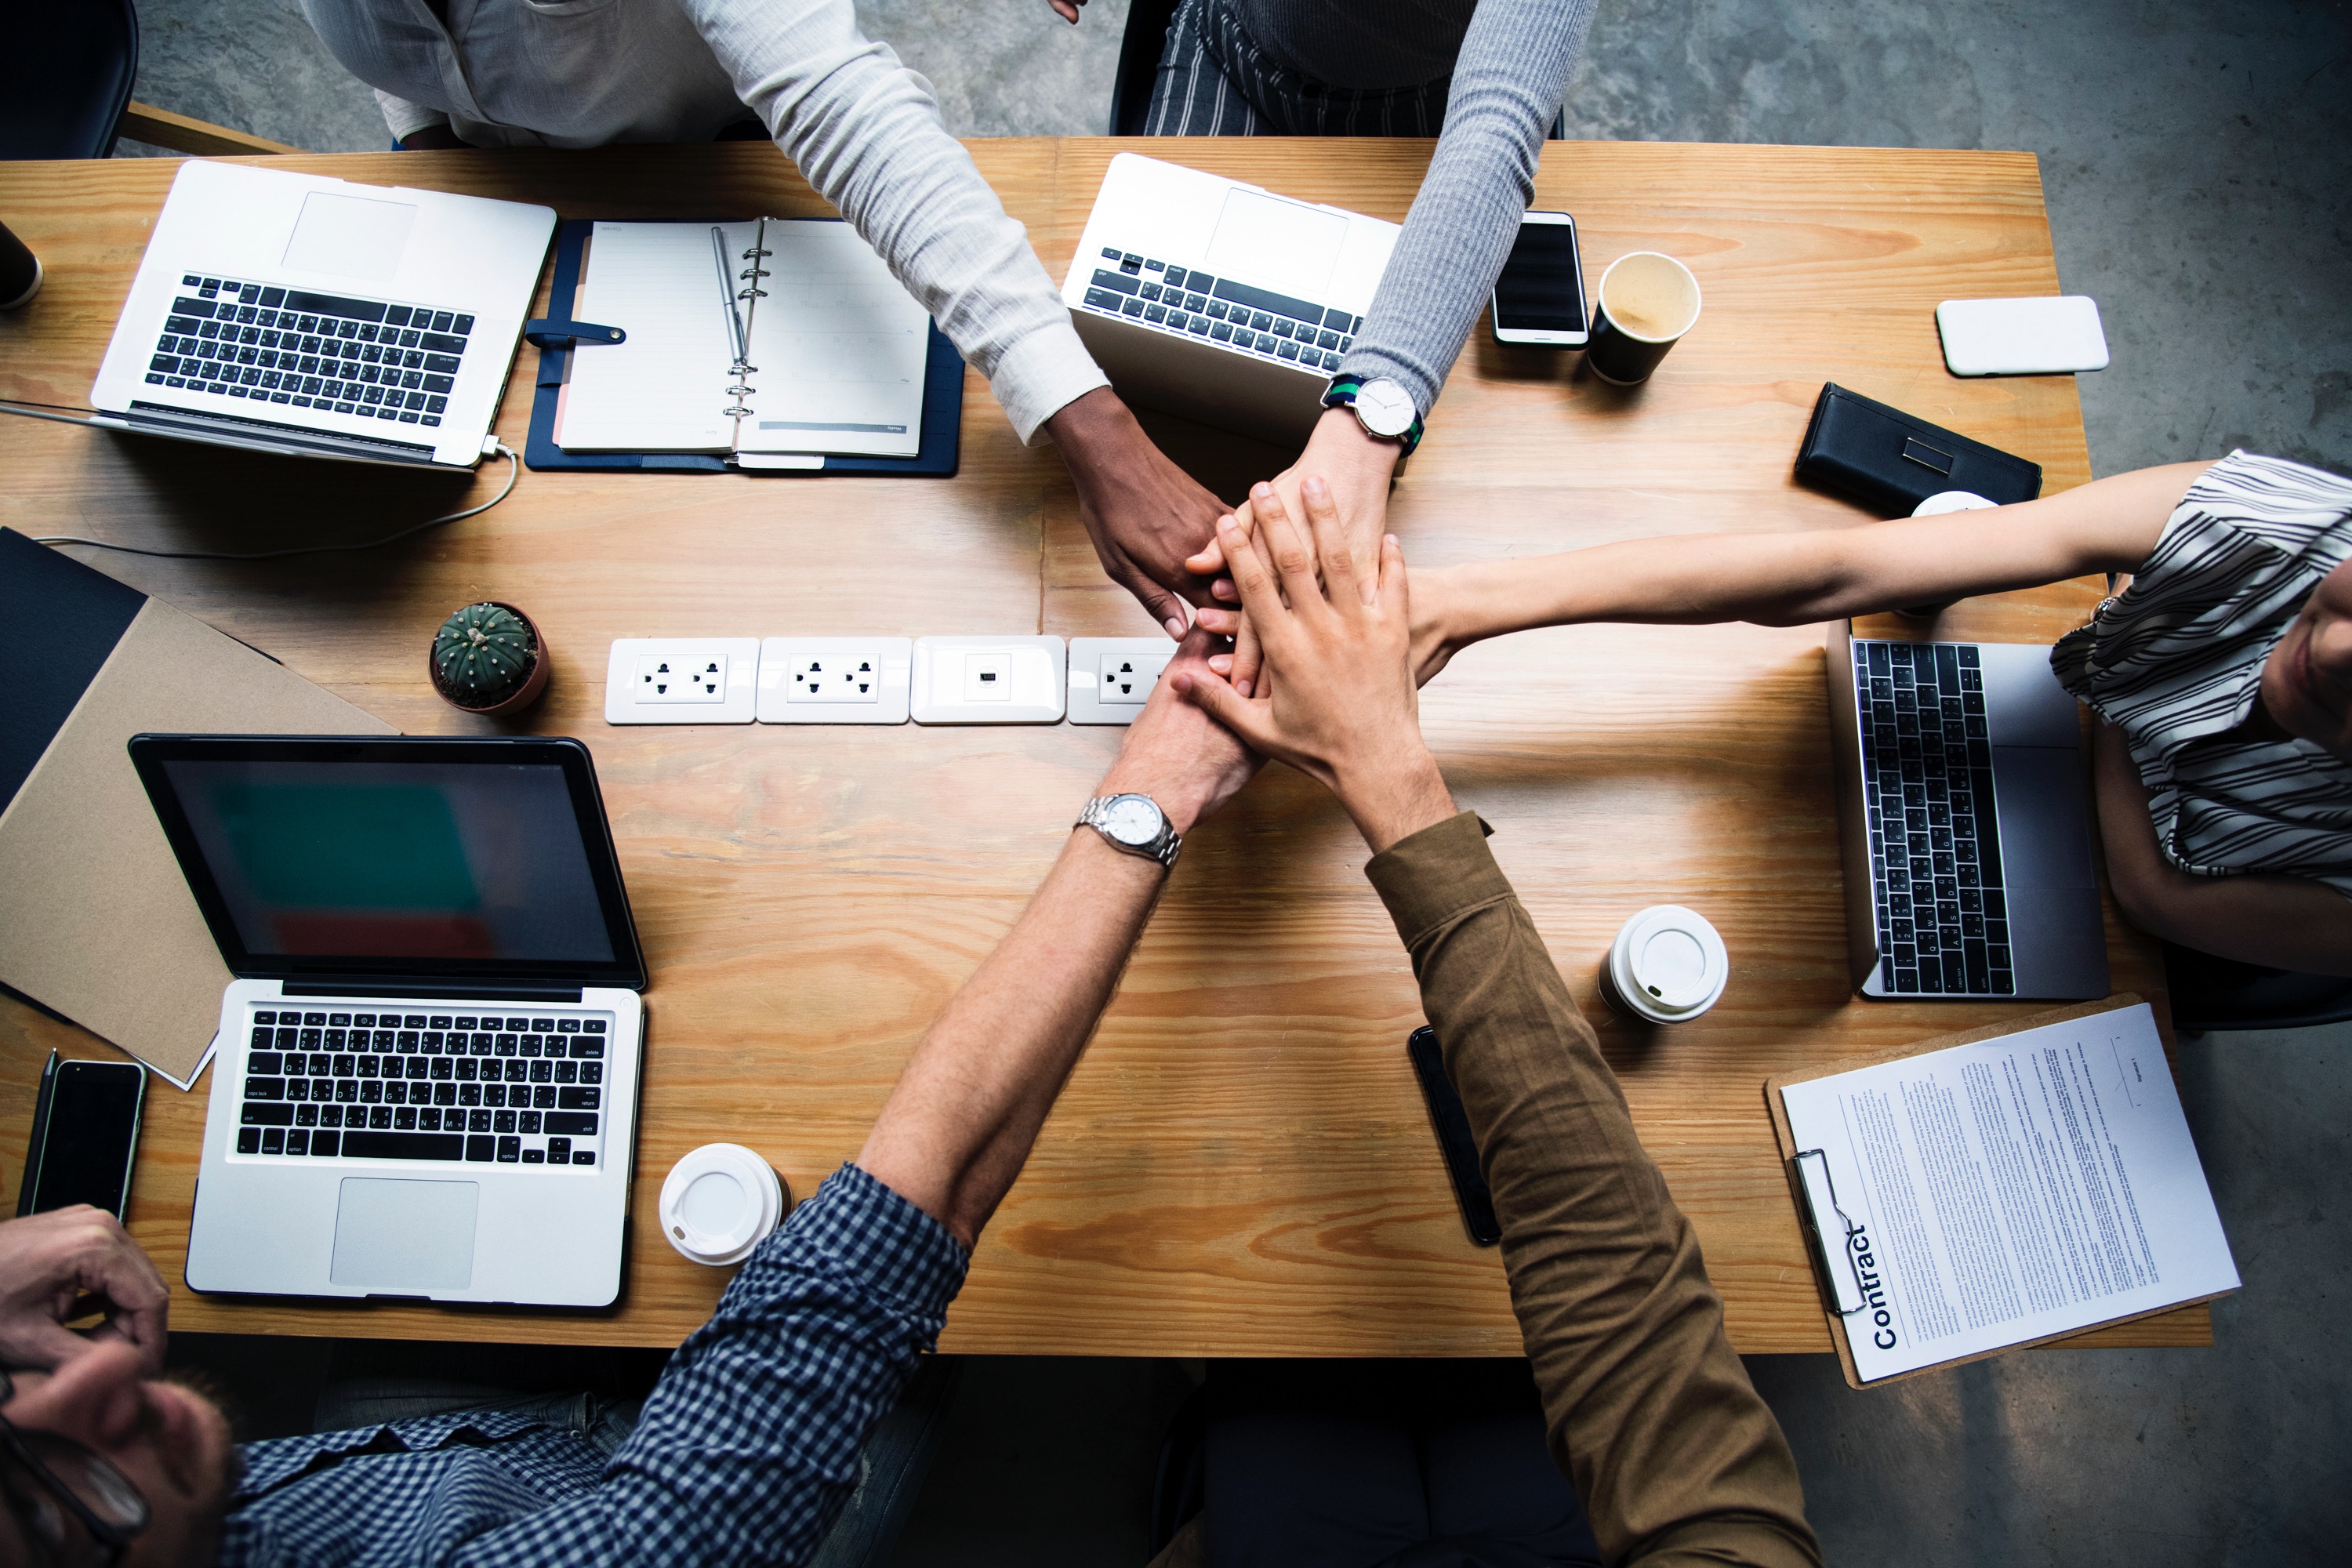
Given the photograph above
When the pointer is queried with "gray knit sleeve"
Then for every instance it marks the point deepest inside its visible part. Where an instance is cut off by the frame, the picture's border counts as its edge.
(1508, 85)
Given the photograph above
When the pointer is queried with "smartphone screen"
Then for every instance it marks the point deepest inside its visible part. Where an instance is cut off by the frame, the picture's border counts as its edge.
(93, 1127)
(1541, 288)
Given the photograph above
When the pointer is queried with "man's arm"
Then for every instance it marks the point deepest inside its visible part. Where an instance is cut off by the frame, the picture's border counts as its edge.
(2280, 921)
(1649, 1411)
(1796, 579)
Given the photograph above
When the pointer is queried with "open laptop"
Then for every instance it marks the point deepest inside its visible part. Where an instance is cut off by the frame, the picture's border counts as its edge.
(427, 1078)
(1964, 821)
(1221, 302)
(293, 314)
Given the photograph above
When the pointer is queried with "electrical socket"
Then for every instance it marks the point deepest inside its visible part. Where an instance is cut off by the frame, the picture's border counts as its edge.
(1111, 678)
(681, 681)
(989, 681)
(834, 680)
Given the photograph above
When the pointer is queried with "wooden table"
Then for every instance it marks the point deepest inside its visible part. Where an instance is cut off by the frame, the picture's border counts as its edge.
(1242, 1165)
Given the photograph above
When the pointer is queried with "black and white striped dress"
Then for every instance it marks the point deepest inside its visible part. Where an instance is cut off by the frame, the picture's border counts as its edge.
(2176, 659)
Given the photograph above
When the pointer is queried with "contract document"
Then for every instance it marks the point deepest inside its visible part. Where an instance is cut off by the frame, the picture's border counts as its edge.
(2004, 1191)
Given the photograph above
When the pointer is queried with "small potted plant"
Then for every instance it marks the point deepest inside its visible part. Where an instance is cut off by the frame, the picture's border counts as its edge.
(489, 658)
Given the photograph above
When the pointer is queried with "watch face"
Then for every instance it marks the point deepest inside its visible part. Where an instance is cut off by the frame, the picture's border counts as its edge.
(1385, 407)
(1131, 819)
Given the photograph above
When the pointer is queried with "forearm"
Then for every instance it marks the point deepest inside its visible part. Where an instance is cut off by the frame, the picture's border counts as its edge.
(1508, 80)
(957, 1129)
(2279, 921)
(865, 133)
(1648, 1410)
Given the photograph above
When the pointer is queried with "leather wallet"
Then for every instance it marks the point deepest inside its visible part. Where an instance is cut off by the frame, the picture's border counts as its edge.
(1891, 462)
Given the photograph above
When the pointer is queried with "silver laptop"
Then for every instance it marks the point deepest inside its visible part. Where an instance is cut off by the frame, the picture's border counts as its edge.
(1964, 822)
(1221, 302)
(425, 1079)
(292, 313)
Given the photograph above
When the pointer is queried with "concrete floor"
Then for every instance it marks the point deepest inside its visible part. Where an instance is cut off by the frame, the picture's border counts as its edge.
(2194, 158)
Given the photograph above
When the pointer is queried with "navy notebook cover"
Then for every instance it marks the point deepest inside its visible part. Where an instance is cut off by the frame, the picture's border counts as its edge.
(942, 403)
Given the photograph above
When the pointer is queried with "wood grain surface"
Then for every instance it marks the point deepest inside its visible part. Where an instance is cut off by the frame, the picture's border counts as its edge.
(1242, 1165)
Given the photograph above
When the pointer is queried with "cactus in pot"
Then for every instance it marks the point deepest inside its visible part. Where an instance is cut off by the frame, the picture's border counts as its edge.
(489, 658)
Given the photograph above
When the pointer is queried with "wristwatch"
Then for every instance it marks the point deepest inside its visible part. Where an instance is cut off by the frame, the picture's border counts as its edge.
(1383, 408)
(1134, 824)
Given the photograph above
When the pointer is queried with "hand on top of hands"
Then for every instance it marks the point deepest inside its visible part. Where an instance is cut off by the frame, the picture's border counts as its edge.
(1178, 755)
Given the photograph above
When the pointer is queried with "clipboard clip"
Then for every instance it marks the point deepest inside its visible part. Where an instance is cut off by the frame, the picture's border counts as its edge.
(1816, 1191)
(549, 334)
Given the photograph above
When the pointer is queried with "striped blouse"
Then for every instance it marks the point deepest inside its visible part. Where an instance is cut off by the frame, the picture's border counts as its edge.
(2176, 658)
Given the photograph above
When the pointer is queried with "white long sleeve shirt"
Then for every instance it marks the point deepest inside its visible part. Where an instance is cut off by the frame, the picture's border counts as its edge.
(862, 128)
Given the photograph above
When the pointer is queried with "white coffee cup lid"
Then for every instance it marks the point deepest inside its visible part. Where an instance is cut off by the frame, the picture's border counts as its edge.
(1942, 502)
(1668, 963)
(720, 1202)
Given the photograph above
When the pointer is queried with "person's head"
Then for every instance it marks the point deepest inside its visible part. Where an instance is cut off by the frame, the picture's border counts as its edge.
(2307, 681)
(169, 1442)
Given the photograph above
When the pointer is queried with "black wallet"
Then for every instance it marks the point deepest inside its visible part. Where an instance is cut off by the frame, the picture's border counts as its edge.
(1891, 462)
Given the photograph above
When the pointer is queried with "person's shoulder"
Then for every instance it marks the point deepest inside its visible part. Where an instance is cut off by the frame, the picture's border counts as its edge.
(2288, 507)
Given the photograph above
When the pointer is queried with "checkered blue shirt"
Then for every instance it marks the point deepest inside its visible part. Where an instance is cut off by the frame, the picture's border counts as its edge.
(745, 1453)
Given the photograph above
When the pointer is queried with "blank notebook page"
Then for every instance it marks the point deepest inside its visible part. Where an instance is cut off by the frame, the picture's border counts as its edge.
(665, 389)
(841, 347)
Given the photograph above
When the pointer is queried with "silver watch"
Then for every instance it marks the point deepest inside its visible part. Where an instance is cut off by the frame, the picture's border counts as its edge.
(1134, 824)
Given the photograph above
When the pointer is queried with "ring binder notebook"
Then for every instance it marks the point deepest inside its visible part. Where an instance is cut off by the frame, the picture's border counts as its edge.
(814, 360)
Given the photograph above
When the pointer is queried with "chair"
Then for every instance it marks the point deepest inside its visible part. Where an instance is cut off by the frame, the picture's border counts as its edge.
(2210, 992)
(1140, 49)
(65, 89)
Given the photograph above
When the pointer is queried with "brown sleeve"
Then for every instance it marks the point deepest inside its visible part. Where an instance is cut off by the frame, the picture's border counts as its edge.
(1650, 1412)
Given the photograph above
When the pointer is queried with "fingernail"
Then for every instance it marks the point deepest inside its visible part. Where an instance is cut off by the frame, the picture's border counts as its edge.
(1261, 490)
(1314, 485)
(1175, 627)
(1243, 686)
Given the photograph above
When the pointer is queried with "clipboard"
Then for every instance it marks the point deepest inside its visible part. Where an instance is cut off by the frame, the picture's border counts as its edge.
(936, 457)
(1809, 1182)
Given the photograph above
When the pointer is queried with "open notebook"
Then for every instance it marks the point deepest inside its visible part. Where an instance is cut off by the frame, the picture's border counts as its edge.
(775, 336)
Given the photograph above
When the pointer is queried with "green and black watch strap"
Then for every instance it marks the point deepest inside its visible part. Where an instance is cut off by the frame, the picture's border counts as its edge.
(1341, 394)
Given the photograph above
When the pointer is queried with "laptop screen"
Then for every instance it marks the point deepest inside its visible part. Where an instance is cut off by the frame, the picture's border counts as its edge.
(417, 857)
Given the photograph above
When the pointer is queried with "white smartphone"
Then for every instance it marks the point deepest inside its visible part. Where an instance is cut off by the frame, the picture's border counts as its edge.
(2044, 336)
(1539, 298)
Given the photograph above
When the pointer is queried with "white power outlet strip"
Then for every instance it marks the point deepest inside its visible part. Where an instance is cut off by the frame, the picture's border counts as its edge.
(681, 681)
(834, 680)
(989, 681)
(1112, 677)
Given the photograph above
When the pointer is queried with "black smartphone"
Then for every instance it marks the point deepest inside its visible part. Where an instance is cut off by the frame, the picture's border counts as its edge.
(1539, 298)
(85, 1134)
(1454, 1140)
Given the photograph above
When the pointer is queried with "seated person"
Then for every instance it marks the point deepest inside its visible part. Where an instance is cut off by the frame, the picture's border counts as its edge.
(2222, 676)
(749, 1446)
(865, 133)
(1647, 1408)
(1485, 79)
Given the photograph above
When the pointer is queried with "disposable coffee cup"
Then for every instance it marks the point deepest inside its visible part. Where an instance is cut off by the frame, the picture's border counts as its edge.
(1666, 966)
(1646, 302)
(720, 1203)
(20, 271)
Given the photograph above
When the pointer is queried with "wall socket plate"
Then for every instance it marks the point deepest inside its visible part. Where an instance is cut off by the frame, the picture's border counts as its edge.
(834, 680)
(681, 681)
(989, 681)
(1112, 677)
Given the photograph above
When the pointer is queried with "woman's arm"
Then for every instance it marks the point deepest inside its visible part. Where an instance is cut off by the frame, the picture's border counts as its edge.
(2286, 922)
(1794, 579)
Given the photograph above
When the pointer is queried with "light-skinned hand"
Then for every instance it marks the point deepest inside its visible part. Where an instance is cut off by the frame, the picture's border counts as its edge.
(63, 1264)
(1176, 754)
(1338, 701)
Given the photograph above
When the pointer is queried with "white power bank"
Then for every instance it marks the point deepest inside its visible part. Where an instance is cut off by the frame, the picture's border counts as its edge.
(2047, 336)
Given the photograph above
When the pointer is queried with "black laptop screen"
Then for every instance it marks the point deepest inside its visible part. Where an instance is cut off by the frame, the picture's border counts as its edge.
(394, 860)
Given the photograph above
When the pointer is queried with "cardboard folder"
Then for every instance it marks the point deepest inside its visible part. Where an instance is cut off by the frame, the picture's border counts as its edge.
(96, 922)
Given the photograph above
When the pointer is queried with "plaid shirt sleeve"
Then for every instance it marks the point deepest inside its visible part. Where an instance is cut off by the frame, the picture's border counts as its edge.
(745, 1454)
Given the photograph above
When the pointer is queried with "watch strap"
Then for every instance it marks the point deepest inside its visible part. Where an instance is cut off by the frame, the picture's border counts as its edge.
(1341, 394)
(1164, 846)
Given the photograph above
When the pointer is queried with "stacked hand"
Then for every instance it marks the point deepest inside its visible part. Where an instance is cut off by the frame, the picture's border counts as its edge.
(57, 1267)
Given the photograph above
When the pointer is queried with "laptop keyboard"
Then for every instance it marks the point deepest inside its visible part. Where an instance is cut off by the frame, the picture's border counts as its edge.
(1934, 845)
(437, 1087)
(1235, 316)
(368, 358)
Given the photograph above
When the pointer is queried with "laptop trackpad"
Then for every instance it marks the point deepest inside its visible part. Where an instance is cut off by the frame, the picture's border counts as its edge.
(404, 1237)
(2046, 824)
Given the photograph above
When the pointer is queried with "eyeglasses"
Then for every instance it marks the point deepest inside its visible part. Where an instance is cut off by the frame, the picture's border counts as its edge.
(54, 1485)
